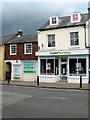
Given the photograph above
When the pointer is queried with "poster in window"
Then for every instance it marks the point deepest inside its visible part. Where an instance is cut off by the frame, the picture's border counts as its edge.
(29, 67)
(16, 71)
(48, 66)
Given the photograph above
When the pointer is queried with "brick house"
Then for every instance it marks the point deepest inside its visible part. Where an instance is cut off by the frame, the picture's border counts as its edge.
(20, 57)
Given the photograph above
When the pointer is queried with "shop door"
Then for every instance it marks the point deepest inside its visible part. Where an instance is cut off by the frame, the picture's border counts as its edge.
(64, 70)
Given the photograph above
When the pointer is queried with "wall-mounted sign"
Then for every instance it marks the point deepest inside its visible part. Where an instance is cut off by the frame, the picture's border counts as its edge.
(29, 67)
(61, 53)
(16, 71)
(67, 52)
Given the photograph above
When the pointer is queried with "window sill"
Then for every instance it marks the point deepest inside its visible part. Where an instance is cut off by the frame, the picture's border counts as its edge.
(74, 46)
(13, 54)
(27, 53)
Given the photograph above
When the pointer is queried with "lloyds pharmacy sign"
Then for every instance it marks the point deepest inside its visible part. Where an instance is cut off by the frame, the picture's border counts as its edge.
(61, 53)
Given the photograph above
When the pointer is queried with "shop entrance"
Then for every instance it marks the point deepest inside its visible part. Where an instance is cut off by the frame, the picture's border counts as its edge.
(64, 69)
(8, 70)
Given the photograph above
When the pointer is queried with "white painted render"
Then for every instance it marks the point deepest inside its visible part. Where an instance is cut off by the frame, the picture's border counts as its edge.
(62, 44)
(62, 38)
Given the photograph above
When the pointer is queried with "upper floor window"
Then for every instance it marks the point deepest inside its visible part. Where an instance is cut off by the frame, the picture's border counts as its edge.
(75, 17)
(28, 48)
(13, 49)
(54, 20)
(74, 38)
(51, 40)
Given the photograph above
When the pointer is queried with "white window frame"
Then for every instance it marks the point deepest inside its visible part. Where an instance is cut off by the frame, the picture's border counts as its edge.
(74, 39)
(51, 40)
(15, 49)
(51, 22)
(25, 48)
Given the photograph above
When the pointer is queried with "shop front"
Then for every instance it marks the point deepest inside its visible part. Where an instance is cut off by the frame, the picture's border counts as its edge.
(63, 65)
(22, 70)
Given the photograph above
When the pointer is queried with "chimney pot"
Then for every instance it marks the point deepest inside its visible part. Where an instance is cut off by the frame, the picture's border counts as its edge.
(19, 34)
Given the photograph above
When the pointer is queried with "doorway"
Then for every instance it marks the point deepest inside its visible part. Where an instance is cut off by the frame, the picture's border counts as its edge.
(8, 69)
(64, 69)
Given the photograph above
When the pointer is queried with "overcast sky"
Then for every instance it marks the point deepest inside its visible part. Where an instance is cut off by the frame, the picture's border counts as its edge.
(29, 16)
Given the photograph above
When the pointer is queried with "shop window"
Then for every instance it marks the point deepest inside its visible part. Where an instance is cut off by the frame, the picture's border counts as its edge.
(29, 67)
(51, 40)
(77, 66)
(72, 66)
(56, 67)
(74, 38)
(82, 66)
(49, 67)
(16, 71)
(43, 66)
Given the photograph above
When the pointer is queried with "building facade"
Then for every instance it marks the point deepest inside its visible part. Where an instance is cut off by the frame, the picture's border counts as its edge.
(2, 63)
(20, 58)
(64, 44)
(3, 39)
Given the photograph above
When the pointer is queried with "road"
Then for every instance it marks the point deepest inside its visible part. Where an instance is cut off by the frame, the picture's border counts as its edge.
(30, 102)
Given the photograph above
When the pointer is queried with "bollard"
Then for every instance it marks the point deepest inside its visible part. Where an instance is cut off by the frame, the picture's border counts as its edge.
(8, 81)
(38, 80)
(80, 81)
(8, 77)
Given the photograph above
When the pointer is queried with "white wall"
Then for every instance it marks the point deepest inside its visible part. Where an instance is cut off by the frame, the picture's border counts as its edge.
(62, 38)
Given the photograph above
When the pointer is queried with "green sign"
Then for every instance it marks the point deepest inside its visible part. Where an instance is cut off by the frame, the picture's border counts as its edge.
(29, 67)
(16, 71)
(61, 53)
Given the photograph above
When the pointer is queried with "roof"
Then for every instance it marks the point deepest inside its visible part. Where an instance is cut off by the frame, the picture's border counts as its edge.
(23, 39)
(65, 22)
(5, 39)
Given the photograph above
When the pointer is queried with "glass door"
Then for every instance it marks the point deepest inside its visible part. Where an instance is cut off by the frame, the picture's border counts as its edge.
(63, 68)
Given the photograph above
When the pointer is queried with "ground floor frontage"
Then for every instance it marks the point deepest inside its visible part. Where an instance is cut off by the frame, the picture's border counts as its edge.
(69, 65)
(21, 70)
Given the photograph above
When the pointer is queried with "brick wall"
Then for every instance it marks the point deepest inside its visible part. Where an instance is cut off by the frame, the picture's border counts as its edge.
(20, 53)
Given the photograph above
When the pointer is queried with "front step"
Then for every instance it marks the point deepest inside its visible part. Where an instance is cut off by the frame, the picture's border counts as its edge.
(62, 81)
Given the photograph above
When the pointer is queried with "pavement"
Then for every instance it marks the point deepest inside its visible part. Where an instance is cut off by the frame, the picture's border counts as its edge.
(58, 85)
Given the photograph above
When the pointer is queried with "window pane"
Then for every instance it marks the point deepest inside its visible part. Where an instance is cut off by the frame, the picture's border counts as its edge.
(43, 66)
(51, 40)
(29, 48)
(13, 49)
(82, 66)
(56, 67)
(54, 20)
(72, 66)
(74, 38)
(50, 66)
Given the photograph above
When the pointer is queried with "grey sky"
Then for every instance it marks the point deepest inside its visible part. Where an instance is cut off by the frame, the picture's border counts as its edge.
(29, 16)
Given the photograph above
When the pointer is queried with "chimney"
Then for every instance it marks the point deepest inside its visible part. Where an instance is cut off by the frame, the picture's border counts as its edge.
(19, 34)
(89, 10)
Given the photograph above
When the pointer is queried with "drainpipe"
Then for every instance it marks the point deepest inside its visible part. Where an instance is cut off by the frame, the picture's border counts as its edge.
(85, 37)
(88, 24)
